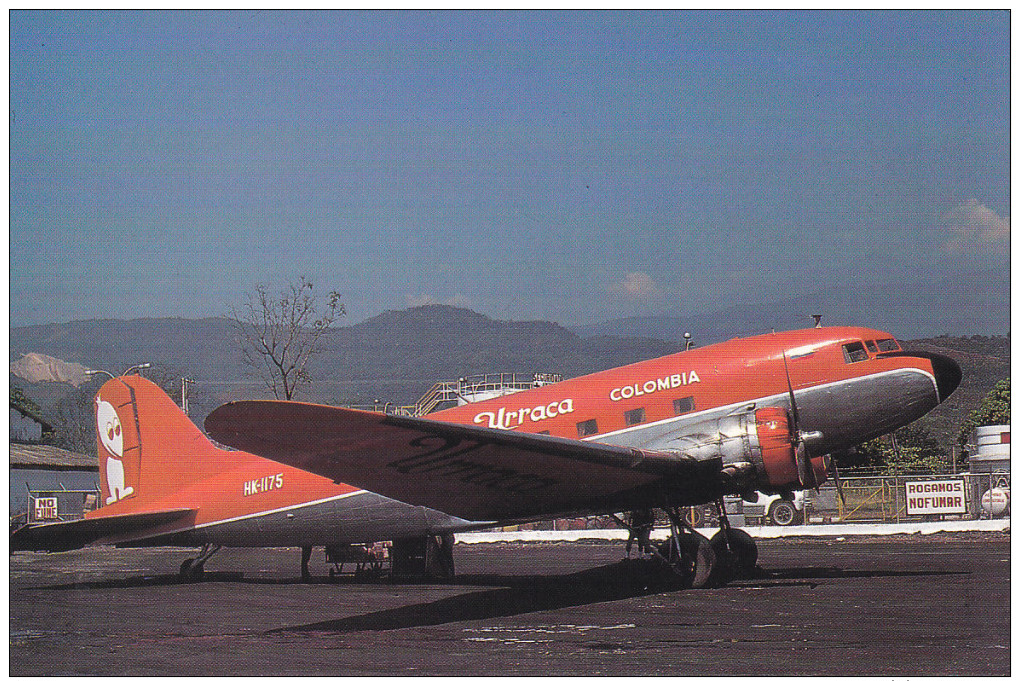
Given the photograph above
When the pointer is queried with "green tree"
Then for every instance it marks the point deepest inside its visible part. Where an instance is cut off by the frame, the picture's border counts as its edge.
(993, 411)
(20, 400)
(911, 449)
(76, 417)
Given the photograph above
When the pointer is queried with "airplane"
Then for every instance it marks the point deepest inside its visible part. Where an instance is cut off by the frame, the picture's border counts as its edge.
(765, 413)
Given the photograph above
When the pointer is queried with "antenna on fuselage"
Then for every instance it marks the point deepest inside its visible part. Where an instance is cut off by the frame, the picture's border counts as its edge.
(818, 320)
(688, 343)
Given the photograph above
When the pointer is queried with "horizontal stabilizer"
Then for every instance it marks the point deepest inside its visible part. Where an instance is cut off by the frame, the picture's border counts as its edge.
(75, 534)
(467, 471)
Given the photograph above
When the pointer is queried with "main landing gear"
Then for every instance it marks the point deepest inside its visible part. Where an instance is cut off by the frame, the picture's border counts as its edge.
(700, 562)
(192, 569)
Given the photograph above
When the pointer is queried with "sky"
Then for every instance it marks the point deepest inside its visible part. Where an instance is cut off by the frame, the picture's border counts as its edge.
(573, 167)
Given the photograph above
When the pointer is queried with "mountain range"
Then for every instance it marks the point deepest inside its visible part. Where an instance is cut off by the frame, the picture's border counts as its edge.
(398, 355)
(952, 307)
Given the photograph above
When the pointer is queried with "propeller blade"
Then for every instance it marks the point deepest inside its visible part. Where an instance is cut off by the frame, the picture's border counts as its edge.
(793, 400)
(805, 472)
(835, 479)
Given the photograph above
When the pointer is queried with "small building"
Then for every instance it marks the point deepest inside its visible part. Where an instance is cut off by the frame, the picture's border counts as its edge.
(38, 467)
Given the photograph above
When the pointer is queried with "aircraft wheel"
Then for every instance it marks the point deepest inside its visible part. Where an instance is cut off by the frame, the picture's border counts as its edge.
(736, 554)
(696, 561)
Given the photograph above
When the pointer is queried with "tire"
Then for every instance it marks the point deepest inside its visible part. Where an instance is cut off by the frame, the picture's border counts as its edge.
(783, 513)
(736, 554)
(697, 561)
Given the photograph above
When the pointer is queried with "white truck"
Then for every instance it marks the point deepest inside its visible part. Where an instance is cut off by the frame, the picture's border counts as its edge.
(771, 507)
(775, 509)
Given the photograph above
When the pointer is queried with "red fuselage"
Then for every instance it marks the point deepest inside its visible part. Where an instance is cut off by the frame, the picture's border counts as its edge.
(851, 384)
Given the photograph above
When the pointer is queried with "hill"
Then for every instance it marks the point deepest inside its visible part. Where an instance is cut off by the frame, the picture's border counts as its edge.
(398, 355)
(906, 313)
(985, 361)
(395, 356)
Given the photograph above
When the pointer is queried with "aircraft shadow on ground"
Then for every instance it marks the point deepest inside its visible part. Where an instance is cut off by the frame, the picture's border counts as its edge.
(517, 594)
(521, 595)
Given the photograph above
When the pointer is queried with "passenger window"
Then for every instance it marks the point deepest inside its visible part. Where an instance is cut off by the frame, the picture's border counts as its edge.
(871, 346)
(586, 428)
(634, 416)
(683, 405)
(854, 352)
(887, 345)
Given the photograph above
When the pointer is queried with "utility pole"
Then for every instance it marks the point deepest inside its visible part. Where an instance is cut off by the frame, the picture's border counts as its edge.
(184, 394)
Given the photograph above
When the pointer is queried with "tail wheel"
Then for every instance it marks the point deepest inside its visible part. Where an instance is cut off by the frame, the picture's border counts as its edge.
(736, 554)
(192, 570)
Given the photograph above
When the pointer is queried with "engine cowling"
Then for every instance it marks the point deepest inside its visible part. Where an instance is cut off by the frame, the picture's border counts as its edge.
(776, 457)
(756, 449)
(821, 466)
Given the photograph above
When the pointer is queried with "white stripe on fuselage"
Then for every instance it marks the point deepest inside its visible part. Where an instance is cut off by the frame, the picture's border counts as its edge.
(282, 509)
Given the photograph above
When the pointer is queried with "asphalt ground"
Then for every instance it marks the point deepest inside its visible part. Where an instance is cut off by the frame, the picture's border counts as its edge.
(901, 606)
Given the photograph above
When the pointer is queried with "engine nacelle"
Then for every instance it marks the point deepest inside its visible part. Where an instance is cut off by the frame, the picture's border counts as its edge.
(775, 458)
(821, 466)
(756, 448)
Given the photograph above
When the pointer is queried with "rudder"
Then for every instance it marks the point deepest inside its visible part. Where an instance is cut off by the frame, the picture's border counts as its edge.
(147, 446)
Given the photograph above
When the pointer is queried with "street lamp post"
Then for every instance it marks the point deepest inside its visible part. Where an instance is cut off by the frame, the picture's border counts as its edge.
(138, 367)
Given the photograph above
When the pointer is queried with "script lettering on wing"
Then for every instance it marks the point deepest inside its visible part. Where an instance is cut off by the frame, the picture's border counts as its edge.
(445, 457)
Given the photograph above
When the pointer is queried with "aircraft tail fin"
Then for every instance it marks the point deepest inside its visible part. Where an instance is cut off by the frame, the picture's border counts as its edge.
(148, 448)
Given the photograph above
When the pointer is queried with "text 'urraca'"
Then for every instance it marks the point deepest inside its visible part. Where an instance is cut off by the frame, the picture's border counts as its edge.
(508, 420)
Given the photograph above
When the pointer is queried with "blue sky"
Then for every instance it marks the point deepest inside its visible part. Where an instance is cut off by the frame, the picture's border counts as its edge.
(574, 167)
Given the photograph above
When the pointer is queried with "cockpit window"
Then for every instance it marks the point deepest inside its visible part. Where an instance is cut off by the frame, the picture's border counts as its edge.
(888, 345)
(871, 346)
(854, 352)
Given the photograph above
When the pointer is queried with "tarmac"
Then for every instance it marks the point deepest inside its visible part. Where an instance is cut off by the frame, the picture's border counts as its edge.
(758, 532)
(845, 604)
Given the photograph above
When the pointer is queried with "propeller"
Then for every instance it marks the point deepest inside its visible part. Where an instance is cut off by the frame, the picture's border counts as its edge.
(805, 472)
(838, 484)
(830, 465)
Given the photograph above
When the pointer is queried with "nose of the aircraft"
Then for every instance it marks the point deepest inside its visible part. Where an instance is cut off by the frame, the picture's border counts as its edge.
(947, 374)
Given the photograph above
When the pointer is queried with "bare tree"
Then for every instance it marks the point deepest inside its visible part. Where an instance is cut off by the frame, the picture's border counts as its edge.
(278, 335)
(75, 427)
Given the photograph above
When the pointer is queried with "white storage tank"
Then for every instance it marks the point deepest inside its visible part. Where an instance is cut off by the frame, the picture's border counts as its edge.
(989, 461)
(989, 449)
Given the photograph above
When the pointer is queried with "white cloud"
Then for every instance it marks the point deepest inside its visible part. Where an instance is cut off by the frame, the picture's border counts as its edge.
(637, 286)
(972, 225)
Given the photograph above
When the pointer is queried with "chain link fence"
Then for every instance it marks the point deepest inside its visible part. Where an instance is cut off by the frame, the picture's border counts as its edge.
(908, 498)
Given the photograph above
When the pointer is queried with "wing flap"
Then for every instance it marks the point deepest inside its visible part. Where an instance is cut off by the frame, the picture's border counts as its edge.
(75, 534)
(468, 471)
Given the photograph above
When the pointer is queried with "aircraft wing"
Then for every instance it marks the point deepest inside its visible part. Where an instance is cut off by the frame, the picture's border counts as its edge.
(75, 534)
(470, 472)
